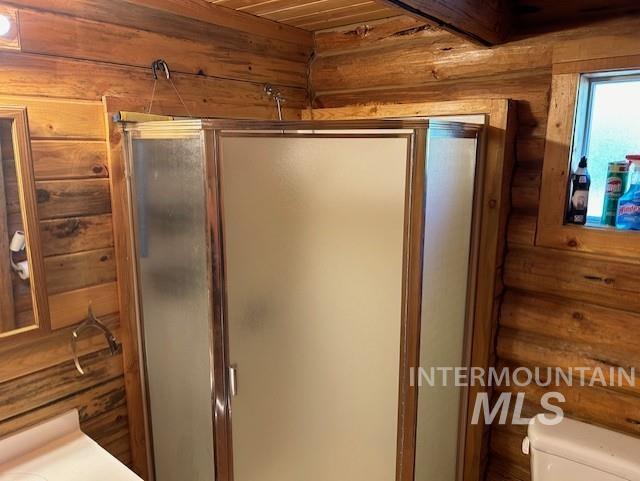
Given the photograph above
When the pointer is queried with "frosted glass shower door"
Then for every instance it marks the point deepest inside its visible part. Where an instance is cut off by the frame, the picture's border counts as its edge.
(173, 280)
(450, 190)
(313, 242)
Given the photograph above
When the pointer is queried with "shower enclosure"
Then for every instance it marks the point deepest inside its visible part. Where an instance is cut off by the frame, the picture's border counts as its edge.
(292, 277)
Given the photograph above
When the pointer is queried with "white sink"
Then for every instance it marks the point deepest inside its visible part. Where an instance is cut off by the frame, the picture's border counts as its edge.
(57, 450)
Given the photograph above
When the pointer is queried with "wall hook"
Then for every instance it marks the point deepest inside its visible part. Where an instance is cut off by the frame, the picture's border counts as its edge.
(160, 65)
(92, 322)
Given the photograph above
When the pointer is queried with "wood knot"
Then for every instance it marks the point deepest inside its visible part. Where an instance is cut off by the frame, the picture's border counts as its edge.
(68, 228)
(363, 30)
(42, 196)
(493, 203)
(572, 243)
(97, 169)
(578, 316)
(104, 258)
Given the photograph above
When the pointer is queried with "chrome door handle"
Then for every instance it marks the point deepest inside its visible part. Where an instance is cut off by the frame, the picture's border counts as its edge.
(233, 379)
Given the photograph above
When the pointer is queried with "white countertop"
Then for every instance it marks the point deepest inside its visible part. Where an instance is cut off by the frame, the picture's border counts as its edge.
(57, 450)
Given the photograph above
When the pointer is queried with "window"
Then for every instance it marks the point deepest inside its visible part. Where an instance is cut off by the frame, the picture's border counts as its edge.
(607, 128)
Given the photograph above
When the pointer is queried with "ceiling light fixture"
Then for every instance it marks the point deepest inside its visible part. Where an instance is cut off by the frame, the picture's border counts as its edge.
(5, 25)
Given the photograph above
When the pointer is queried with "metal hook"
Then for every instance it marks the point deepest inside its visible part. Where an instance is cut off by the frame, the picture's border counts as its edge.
(92, 322)
(160, 65)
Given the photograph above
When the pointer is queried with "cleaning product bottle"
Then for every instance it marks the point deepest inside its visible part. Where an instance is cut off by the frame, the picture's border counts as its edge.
(580, 182)
(629, 204)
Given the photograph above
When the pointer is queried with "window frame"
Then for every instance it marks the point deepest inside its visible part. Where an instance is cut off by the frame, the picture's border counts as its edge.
(565, 110)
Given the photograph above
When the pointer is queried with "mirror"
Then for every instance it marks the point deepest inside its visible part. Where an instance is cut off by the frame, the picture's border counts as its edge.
(23, 301)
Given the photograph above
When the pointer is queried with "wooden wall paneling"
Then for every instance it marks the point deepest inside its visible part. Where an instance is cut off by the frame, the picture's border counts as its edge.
(110, 427)
(81, 120)
(63, 36)
(68, 159)
(91, 403)
(545, 351)
(27, 356)
(376, 34)
(68, 198)
(528, 88)
(628, 62)
(606, 46)
(611, 332)
(177, 18)
(49, 385)
(76, 234)
(522, 229)
(599, 405)
(70, 307)
(30, 74)
(503, 470)
(601, 280)
(423, 64)
(345, 57)
(68, 272)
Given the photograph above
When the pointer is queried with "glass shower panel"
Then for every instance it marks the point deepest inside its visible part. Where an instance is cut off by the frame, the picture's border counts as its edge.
(314, 248)
(450, 172)
(172, 247)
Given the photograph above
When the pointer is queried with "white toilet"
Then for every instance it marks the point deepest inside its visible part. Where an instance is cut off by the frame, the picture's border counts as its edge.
(575, 451)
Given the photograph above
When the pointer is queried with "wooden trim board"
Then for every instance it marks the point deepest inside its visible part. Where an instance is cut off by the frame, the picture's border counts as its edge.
(126, 285)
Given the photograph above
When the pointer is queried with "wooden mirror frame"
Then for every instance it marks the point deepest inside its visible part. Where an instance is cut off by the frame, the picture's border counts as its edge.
(29, 210)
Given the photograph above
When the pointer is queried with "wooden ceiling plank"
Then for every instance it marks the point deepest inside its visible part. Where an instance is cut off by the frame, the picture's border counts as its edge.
(332, 21)
(242, 4)
(485, 22)
(267, 8)
(284, 6)
(328, 7)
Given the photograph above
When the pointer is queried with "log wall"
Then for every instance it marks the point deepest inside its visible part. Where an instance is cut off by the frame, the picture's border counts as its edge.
(73, 54)
(560, 308)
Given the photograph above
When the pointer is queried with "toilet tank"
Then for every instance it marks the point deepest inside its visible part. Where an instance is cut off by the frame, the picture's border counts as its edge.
(575, 451)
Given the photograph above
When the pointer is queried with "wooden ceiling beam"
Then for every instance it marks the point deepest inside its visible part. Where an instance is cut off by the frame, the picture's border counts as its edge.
(484, 21)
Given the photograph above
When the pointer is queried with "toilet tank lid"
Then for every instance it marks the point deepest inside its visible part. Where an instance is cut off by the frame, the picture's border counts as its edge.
(599, 448)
